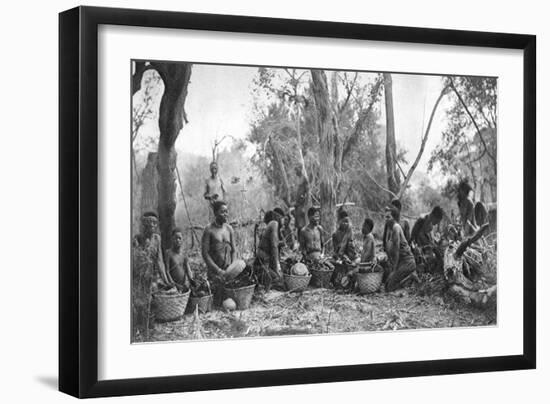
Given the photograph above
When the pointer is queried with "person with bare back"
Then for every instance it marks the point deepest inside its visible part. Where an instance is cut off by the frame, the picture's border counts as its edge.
(267, 264)
(218, 251)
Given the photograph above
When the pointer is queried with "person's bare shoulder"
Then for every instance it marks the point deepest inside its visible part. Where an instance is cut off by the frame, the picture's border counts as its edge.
(207, 229)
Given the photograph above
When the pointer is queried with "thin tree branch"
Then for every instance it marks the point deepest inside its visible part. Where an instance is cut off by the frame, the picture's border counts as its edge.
(422, 145)
(493, 158)
(359, 124)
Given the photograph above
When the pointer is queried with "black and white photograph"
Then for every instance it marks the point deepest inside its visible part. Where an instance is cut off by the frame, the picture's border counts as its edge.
(276, 201)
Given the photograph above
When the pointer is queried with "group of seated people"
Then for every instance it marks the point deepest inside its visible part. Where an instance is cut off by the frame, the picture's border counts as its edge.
(220, 256)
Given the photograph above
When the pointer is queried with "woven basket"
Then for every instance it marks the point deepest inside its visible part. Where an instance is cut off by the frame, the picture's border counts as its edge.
(321, 279)
(296, 282)
(204, 303)
(369, 282)
(241, 296)
(170, 307)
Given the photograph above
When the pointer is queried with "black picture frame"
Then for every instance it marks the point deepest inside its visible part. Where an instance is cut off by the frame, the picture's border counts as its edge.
(78, 200)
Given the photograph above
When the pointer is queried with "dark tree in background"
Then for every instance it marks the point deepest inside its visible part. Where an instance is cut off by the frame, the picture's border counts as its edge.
(175, 77)
(326, 147)
(391, 154)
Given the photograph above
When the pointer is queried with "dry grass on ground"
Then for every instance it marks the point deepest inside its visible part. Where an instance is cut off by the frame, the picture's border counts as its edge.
(321, 311)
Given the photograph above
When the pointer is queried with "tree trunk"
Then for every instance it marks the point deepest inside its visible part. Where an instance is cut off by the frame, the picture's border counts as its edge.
(171, 118)
(326, 148)
(391, 153)
(149, 184)
(283, 188)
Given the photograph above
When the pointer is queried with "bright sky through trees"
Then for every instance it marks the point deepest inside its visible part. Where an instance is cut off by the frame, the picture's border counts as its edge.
(220, 103)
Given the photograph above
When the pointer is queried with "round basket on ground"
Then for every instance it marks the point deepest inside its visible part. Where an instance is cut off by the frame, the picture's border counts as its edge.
(320, 278)
(296, 283)
(241, 296)
(204, 303)
(170, 306)
(369, 282)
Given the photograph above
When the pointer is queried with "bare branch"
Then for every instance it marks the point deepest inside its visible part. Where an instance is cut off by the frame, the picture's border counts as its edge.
(359, 124)
(493, 158)
(422, 145)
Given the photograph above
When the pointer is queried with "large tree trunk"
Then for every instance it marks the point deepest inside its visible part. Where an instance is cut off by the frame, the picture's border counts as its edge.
(326, 148)
(149, 184)
(283, 187)
(171, 118)
(391, 150)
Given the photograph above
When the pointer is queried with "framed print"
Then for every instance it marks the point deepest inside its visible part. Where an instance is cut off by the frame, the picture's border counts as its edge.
(267, 202)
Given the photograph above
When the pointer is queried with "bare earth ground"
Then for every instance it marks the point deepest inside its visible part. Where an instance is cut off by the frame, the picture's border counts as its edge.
(318, 311)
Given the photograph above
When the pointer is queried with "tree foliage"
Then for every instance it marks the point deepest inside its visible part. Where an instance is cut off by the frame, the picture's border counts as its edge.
(468, 146)
(339, 136)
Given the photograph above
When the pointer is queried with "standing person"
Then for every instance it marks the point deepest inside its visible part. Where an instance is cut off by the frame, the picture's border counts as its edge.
(267, 264)
(214, 189)
(302, 199)
(177, 261)
(311, 236)
(218, 251)
(400, 258)
(403, 222)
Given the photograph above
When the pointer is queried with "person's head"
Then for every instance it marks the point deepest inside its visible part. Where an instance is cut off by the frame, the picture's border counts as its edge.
(268, 216)
(391, 214)
(343, 220)
(397, 203)
(436, 215)
(149, 223)
(463, 189)
(220, 211)
(314, 215)
(279, 215)
(213, 168)
(177, 238)
(368, 225)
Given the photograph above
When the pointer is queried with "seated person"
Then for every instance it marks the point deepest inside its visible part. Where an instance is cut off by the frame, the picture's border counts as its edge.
(218, 251)
(267, 264)
(345, 254)
(422, 230)
(342, 240)
(287, 232)
(400, 258)
(428, 249)
(310, 236)
(177, 262)
(148, 243)
(369, 249)
(403, 222)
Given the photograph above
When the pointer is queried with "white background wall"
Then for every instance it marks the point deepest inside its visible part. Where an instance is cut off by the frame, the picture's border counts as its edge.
(28, 167)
